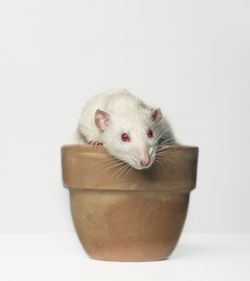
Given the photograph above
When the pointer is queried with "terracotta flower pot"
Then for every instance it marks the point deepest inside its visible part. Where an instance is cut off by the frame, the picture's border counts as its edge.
(128, 215)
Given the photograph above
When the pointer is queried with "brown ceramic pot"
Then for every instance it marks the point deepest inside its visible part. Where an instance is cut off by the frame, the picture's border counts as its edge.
(128, 215)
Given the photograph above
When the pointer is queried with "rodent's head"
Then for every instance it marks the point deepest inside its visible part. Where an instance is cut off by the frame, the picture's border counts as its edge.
(132, 138)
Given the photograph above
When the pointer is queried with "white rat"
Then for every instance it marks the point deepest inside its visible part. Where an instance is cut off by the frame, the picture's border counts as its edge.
(129, 129)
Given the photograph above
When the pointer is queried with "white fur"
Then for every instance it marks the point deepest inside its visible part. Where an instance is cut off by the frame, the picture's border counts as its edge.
(128, 115)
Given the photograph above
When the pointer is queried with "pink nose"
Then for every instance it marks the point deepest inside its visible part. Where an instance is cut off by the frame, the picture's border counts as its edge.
(144, 161)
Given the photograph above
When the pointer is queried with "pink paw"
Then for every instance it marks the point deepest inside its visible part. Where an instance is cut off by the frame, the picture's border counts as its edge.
(95, 143)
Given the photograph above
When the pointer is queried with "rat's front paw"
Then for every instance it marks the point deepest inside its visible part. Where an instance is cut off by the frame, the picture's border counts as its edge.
(95, 143)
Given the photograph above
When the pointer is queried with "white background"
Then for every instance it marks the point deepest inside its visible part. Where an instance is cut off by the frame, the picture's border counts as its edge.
(191, 58)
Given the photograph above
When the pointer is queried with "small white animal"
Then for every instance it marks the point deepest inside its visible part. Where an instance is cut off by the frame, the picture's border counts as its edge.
(129, 129)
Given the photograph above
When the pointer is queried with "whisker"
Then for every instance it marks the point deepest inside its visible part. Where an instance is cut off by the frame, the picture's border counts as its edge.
(126, 168)
(167, 141)
(117, 173)
(101, 161)
(118, 165)
(162, 133)
(166, 160)
(157, 165)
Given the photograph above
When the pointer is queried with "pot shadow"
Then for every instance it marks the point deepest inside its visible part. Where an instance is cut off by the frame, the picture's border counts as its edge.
(186, 250)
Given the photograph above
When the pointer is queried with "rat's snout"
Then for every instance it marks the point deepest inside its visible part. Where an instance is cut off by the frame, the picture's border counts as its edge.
(144, 160)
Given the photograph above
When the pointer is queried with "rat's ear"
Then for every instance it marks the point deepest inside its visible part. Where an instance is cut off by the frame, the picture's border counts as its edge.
(156, 115)
(102, 119)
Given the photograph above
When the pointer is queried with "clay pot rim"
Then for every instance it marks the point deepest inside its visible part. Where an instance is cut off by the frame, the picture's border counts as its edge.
(97, 177)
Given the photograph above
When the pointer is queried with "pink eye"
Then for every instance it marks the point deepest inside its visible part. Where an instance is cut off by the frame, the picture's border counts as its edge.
(125, 137)
(150, 133)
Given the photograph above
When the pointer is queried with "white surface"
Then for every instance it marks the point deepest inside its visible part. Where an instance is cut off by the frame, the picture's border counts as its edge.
(60, 257)
(189, 57)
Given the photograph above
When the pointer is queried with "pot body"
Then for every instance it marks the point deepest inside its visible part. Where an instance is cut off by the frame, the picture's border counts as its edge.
(137, 217)
(128, 225)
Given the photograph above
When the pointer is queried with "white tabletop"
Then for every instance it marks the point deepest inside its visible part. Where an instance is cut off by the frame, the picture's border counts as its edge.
(60, 257)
